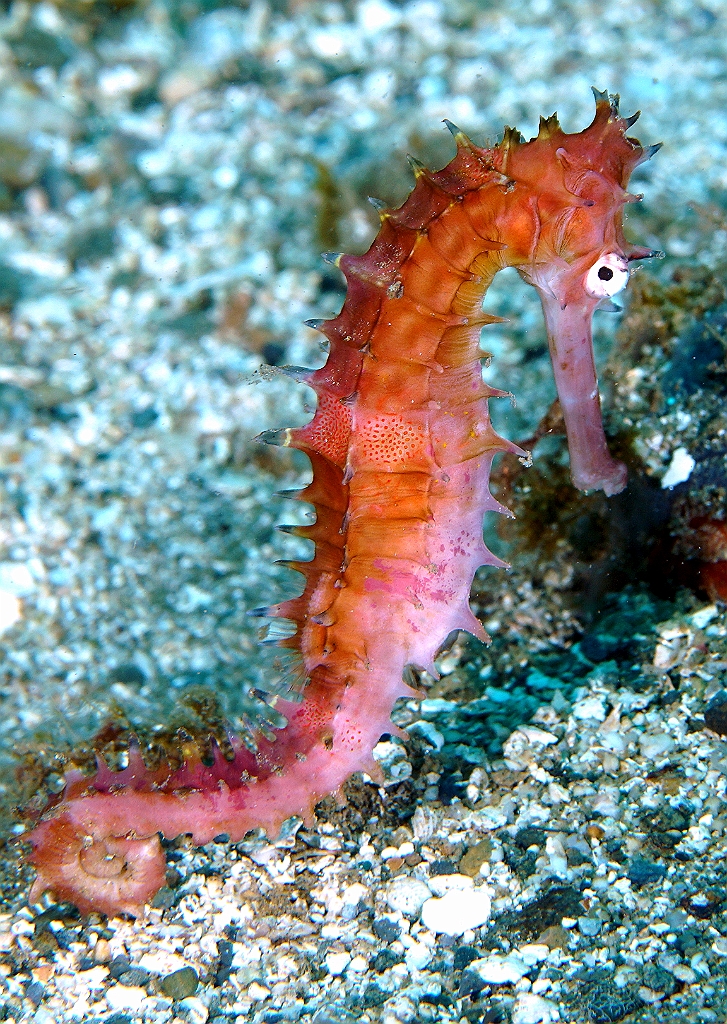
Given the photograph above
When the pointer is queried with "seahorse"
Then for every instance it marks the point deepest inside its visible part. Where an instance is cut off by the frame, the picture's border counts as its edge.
(401, 447)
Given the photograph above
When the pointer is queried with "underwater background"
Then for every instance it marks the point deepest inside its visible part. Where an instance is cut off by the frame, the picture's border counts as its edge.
(169, 175)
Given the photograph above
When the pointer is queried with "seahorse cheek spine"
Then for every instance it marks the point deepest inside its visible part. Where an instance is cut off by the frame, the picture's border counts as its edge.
(401, 447)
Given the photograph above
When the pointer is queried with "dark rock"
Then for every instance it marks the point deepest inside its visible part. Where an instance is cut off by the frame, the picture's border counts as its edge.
(470, 984)
(13, 285)
(35, 992)
(165, 898)
(92, 245)
(273, 354)
(669, 698)
(645, 872)
(614, 849)
(463, 956)
(374, 995)
(666, 830)
(127, 673)
(442, 867)
(65, 937)
(529, 836)
(35, 49)
(222, 975)
(144, 417)
(386, 929)
(225, 953)
(576, 857)
(207, 870)
(604, 1003)
(600, 647)
(384, 960)
(496, 1014)
(135, 976)
(687, 941)
(180, 984)
(118, 966)
(58, 912)
(523, 864)
(659, 980)
(547, 910)
(715, 714)
(451, 787)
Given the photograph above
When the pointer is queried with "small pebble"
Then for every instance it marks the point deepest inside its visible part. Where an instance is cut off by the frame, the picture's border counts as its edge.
(180, 984)
(418, 956)
(257, 992)
(659, 980)
(407, 895)
(193, 1010)
(589, 926)
(386, 929)
(654, 745)
(475, 857)
(500, 970)
(645, 872)
(126, 997)
(533, 1009)
(134, 976)
(102, 952)
(590, 707)
(554, 937)
(337, 963)
(463, 956)
(442, 884)
(533, 952)
(685, 974)
(118, 966)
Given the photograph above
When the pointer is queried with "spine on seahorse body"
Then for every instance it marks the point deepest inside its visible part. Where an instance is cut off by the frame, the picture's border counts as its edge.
(401, 447)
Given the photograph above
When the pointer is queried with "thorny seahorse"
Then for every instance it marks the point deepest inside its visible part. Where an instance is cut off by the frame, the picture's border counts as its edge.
(401, 446)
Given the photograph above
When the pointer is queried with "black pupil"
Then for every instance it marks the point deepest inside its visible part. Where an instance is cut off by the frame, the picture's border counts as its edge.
(605, 273)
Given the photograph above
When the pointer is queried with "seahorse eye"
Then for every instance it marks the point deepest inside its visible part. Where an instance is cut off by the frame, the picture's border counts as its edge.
(608, 276)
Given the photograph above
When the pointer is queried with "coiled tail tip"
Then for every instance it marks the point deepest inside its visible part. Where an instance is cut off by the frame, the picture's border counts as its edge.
(111, 875)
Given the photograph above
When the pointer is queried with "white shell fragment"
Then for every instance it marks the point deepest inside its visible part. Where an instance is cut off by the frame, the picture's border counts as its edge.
(500, 970)
(457, 911)
(680, 469)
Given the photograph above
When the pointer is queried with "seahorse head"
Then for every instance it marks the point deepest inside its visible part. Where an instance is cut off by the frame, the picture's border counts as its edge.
(570, 245)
